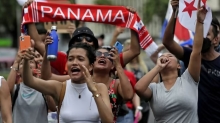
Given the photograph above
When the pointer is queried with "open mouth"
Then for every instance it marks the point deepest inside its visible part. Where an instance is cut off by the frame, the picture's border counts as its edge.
(75, 70)
(102, 61)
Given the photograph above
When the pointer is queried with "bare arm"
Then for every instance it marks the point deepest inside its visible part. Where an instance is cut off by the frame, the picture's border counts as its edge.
(50, 87)
(124, 88)
(142, 88)
(195, 58)
(47, 74)
(117, 32)
(136, 101)
(5, 102)
(51, 103)
(39, 44)
(12, 77)
(168, 41)
(103, 103)
(134, 48)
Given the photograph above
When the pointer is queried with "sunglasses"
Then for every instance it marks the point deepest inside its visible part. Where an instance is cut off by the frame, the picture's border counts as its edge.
(99, 54)
(80, 38)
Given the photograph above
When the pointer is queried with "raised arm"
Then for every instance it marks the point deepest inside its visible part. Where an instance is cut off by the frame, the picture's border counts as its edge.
(124, 88)
(168, 41)
(195, 58)
(12, 77)
(50, 87)
(117, 32)
(46, 67)
(142, 86)
(134, 50)
(5, 103)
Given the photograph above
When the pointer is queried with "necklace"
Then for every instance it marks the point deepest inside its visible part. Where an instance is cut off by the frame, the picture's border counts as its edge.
(79, 92)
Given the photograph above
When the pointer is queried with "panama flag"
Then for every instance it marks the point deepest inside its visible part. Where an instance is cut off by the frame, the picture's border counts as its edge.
(188, 15)
(181, 35)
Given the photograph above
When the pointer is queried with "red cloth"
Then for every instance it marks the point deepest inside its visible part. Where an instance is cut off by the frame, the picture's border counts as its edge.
(60, 64)
(133, 81)
(116, 15)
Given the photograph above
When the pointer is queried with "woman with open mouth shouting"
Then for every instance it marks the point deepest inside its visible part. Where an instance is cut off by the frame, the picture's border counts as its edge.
(107, 61)
(79, 99)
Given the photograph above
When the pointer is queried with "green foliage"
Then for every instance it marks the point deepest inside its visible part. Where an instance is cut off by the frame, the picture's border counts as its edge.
(8, 13)
(72, 1)
(154, 7)
(103, 2)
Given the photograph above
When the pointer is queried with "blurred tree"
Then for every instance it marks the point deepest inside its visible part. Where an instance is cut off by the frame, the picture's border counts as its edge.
(8, 19)
(154, 7)
(103, 2)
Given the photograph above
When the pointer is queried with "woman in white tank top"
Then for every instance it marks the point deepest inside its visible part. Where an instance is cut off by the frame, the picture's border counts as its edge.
(5, 102)
(84, 101)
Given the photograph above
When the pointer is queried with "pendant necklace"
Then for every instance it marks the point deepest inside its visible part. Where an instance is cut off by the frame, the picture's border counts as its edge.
(79, 92)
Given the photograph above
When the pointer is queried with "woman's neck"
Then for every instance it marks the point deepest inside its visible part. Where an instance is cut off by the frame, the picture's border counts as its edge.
(101, 78)
(169, 76)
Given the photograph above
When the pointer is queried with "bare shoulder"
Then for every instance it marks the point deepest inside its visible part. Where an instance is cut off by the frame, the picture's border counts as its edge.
(101, 86)
(4, 86)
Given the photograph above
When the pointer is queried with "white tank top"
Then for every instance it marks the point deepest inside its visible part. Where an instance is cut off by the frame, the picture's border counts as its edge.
(78, 110)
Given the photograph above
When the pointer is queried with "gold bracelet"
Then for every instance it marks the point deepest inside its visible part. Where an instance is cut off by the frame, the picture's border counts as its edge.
(96, 95)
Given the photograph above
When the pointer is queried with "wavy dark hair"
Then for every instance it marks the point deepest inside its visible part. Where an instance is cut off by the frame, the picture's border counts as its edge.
(89, 51)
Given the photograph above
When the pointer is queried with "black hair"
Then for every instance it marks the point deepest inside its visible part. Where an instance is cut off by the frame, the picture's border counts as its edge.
(106, 47)
(102, 36)
(215, 21)
(215, 24)
(89, 51)
(40, 29)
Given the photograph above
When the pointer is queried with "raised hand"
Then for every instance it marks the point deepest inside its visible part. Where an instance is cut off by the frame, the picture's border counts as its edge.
(89, 81)
(130, 9)
(19, 56)
(174, 4)
(114, 56)
(48, 40)
(27, 3)
(119, 30)
(71, 28)
(201, 14)
(162, 62)
(29, 54)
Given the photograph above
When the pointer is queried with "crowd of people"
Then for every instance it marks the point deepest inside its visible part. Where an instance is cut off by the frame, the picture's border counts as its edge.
(92, 83)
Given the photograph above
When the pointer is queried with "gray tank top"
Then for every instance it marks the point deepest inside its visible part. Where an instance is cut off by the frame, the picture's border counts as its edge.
(30, 106)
